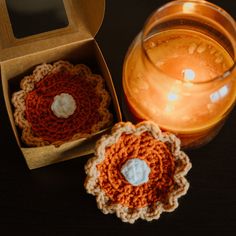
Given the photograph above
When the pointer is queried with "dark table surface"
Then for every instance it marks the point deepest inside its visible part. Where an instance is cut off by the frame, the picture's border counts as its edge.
(53, 201)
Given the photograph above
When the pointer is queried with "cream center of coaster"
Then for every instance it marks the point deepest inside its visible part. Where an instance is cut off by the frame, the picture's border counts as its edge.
(135, 171)
(63, 106)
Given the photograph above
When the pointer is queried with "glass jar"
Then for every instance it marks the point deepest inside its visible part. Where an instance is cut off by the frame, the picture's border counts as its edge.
(180, 70)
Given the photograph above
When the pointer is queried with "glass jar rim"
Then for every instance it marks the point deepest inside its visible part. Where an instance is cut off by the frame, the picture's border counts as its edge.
(214, 7)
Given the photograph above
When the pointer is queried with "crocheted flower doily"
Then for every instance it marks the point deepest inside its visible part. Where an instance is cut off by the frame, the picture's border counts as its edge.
(161, 153)
(73, 91)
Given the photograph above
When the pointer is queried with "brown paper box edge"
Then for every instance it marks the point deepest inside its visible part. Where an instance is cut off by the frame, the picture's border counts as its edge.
(85, 19)
(42, 156)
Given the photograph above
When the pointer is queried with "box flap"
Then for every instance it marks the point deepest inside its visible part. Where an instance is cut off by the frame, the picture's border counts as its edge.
(82, 21)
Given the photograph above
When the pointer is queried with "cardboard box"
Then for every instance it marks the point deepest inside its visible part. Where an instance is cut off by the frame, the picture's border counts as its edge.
(75, 43)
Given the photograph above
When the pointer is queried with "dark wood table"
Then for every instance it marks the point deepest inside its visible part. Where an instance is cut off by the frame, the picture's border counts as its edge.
(53, 201)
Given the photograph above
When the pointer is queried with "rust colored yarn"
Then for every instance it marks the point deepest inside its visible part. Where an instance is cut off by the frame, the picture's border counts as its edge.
(33, 112)
(157, 156)
(44, 123)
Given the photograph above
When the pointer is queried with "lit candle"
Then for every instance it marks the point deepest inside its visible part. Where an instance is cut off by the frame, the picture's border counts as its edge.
(172, 79)
(189, 74)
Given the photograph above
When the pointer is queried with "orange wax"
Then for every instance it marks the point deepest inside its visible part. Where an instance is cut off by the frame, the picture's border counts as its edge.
(170, 79)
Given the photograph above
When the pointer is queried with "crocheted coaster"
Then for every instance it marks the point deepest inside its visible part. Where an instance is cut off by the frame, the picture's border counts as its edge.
(137, 172)
(60, 103)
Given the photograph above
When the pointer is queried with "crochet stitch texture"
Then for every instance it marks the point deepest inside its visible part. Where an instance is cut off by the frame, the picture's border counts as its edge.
(161, 151)
(32, 104)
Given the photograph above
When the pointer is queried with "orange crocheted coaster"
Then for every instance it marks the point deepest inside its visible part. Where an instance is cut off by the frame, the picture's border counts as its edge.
(41, 124)
(158, 152)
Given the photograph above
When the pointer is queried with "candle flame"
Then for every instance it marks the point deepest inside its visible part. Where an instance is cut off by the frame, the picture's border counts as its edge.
(172, 96)
(189, 75)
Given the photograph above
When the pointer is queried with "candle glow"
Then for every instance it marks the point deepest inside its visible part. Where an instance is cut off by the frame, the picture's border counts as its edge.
(181, 87)
(188, 7)
(189, 75)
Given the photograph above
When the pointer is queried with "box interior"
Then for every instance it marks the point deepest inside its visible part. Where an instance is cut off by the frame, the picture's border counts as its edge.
(26, 14)
(12, 71)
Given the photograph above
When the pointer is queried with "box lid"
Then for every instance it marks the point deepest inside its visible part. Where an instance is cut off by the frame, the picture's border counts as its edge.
(84, 18)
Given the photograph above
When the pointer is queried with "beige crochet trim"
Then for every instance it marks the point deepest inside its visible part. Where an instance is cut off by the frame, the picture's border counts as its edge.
(147, 213)
(28, 83)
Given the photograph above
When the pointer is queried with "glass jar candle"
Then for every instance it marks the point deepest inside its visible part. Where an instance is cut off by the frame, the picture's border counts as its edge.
(180, 70)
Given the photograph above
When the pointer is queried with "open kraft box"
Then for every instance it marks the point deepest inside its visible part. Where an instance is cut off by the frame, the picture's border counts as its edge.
(75, 43)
